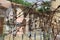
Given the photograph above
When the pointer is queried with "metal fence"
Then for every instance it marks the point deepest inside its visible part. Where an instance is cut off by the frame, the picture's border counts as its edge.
(34, 35)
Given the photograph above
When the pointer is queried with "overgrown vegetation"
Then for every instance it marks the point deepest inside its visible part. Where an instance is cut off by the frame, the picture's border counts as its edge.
(21, 2)
(45, 7)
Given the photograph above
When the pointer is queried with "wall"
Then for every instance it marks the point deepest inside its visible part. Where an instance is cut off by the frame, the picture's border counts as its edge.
(56, 17)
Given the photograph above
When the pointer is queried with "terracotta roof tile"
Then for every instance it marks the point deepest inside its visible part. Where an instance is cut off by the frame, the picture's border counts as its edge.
(5, 3)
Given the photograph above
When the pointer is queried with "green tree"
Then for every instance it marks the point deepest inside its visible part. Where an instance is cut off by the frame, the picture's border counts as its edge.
(45, 7)
(21, 2)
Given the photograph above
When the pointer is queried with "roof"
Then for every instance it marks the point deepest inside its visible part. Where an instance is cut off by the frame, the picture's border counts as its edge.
(5, 4)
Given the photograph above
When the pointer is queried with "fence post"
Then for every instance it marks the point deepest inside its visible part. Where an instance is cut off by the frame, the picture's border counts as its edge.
(44, 35)
(30, 35)
(42, 38)
(35, 36)
(22, 36)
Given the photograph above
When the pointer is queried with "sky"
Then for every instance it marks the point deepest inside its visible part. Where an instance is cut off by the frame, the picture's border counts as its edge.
(35, 0)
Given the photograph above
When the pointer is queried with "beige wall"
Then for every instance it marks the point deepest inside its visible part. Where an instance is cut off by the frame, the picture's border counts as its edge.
(56, 17)
(55, 4)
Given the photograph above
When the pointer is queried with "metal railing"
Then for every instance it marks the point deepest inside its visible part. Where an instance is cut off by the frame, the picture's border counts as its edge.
(33, 35)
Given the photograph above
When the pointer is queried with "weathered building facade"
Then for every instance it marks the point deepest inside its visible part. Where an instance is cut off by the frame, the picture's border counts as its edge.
(56, 17)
